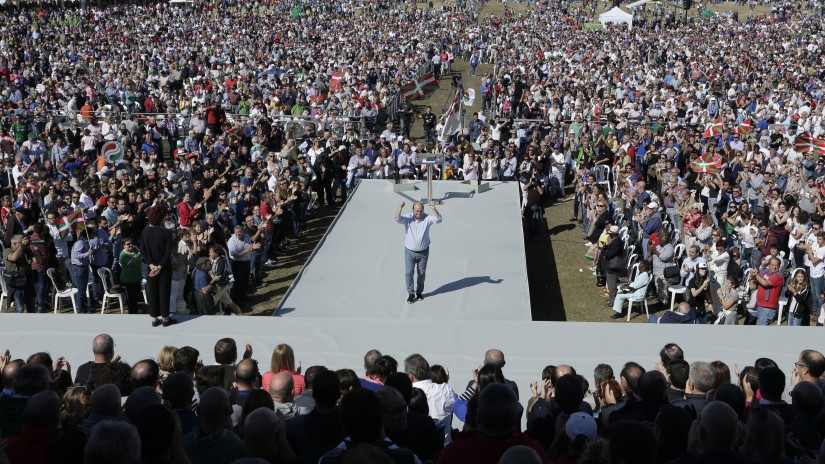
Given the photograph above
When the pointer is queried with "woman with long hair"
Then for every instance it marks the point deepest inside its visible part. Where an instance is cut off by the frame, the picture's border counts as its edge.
(283, 360)
(156, 251)
(799, 298)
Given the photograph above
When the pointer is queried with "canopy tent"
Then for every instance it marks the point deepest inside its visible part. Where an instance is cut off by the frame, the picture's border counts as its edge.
(616, 16)
(640, 3)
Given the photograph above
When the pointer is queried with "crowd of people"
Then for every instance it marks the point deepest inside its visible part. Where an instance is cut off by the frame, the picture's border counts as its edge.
(113, 128)
(172, 408)
(691, 145)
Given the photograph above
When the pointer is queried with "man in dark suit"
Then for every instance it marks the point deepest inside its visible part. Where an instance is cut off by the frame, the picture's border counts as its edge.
(324, 174)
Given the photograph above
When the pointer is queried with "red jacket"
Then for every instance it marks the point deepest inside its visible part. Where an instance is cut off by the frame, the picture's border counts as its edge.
(186, 214)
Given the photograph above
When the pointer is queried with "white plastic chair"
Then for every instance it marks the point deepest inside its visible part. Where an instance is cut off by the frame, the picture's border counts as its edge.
(680, 250)
(642, 300)
(632, 266)
(602, 173)
(143, 290)
(680, 289)
(108, 282)
(58, 294)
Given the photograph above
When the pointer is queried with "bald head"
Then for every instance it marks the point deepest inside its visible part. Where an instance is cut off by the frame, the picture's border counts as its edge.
(520, 454)
(106, 401)
(280, 388)
(10, 371)
(260, 426)
(718, 426)
(43, 410)
(563, 370)
(494, 357)
(683, 308)
(103, 347)
(246, 374)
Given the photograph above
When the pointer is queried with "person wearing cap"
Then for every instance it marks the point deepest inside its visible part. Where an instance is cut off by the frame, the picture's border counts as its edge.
(580, 430)
(650, 222)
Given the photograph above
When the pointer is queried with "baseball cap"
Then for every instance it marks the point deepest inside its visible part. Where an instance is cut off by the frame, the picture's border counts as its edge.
(580, 423)
(653, 205)
(702, 266)
(613, 230)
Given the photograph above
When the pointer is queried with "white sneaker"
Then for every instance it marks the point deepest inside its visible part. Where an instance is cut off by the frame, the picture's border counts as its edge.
(270, 263)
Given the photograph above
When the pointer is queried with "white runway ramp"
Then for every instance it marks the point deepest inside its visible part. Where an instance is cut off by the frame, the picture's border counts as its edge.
(476, 269)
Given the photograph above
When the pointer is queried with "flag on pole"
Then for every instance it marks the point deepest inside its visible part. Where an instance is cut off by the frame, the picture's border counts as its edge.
(452, 119)
(337, 79)
(469, 97)
(807, 144)
(705, 163)
(713, 129)
(745, 128)
(77, 221)
(419, 87)
(63, 227)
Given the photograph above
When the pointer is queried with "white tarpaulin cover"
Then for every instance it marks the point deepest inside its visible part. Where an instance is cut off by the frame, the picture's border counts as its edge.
(616, 16)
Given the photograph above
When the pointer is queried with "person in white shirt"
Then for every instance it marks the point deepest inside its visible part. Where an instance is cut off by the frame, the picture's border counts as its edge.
(815, 262)
(440, 396)
(416, 244)
(690, 264)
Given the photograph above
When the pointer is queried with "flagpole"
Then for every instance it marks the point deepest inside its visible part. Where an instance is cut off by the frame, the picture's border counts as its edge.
(85, 229)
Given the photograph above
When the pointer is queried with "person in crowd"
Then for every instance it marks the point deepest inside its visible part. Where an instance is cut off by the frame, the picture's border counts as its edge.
(636, 290)
(156, 252)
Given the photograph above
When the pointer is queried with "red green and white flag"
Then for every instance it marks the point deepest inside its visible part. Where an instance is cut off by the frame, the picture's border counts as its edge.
(706, 163)
(64, 228)
(419, 87)
(714, 129)
(77, 221)
(745, 128)
(807, 144)
(337, 79)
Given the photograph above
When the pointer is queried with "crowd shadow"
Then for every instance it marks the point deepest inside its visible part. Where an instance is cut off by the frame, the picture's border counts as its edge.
(463, 283)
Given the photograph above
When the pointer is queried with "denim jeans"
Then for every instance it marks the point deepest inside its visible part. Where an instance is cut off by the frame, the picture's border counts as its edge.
(766, 315)
(41, 290)
(80, 277)
(411, 260)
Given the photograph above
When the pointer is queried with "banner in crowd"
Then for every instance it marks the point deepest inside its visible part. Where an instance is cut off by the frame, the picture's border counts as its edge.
(705, 163)
(807, 144)
(419, 87)
(112, 152)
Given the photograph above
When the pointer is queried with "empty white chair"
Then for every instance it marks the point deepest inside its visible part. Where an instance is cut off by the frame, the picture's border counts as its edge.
(679, 250)
(108, 282)
(58, 294)
(602, 173)
(782, 303)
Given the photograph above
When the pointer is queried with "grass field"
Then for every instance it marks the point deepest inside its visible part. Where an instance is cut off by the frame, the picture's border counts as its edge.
(558, 290)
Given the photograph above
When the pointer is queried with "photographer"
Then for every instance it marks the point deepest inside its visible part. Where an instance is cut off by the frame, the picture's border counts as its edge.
(18, 274)
(533, 192)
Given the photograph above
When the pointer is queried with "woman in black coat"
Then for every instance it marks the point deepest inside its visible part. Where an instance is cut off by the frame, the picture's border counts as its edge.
(614, 248)
(156, 250)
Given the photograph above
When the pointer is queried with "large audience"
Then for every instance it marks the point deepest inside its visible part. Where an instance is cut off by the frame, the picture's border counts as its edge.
(693, 149)
(172, 408)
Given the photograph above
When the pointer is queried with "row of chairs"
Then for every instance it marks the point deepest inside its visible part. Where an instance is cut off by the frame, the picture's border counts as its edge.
(109, 293)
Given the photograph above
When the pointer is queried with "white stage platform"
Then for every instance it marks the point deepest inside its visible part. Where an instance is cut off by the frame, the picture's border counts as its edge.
(476, 271)
(342, 342)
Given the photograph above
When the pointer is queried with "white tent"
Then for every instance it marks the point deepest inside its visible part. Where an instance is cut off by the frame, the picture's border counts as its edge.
(616, 15)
